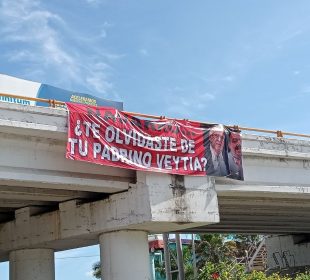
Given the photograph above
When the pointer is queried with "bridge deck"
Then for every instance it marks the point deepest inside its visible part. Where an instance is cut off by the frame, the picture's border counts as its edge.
(275, 196)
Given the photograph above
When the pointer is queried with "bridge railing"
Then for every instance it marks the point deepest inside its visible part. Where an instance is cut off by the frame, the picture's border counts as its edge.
(54, 103)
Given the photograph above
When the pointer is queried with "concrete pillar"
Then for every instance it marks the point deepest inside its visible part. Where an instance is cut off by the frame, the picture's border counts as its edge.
(32, 264)
(125, 255)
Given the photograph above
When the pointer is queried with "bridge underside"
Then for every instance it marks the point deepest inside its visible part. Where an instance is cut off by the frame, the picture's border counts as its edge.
(261, 216)
(238, 214)
(33, 172)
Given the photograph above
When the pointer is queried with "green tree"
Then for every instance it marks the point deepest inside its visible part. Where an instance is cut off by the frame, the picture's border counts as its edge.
(214, 248)
(97, 270)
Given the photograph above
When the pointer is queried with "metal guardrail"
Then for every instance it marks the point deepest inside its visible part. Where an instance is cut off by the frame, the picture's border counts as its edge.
(53, 103)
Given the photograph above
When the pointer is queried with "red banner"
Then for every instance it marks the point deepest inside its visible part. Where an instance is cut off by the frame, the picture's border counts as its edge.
(110, 137)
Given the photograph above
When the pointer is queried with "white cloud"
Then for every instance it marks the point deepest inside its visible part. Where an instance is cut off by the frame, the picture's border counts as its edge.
(43, 41)
(89, 274)
(144, 52)
(218, 79)
(112, 56)
(105, 27)
(103, 33)
(95, 2)
(306, 89)
(24, 21)
(303, 93)
(229, 78)
(181, 102)
(97, 80)
(20, 55)
(97, 77)
(207, 96)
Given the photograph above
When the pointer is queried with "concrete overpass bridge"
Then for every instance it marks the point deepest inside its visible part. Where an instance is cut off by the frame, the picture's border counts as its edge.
(48, 203)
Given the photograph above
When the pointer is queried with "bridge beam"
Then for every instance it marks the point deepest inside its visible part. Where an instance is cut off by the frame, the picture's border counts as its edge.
(156, 203)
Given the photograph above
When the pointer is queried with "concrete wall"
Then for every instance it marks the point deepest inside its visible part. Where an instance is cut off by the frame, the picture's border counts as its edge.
(288, 251)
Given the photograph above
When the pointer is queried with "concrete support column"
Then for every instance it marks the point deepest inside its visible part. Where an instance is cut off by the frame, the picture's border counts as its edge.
(32, 264)
(125, 255)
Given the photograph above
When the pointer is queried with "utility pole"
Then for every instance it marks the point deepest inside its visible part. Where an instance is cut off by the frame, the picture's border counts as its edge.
(180, 257)
(194, 257)
(167, 256)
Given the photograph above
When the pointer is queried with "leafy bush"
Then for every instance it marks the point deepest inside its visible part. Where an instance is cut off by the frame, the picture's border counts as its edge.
(230, 271)
(222, 271)
(303, 276)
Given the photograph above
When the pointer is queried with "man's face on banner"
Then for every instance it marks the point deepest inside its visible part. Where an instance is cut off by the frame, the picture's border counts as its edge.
(235, 144)
(217, 140)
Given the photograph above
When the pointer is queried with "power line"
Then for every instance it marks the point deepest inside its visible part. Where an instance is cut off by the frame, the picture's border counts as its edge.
(77, 257)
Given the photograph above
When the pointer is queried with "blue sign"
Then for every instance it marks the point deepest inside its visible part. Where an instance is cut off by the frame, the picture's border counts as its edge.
(50, 92)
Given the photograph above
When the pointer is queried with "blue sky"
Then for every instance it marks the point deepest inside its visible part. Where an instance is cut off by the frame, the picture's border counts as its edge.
(239, 62)
(232, 62)
(71, 264)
